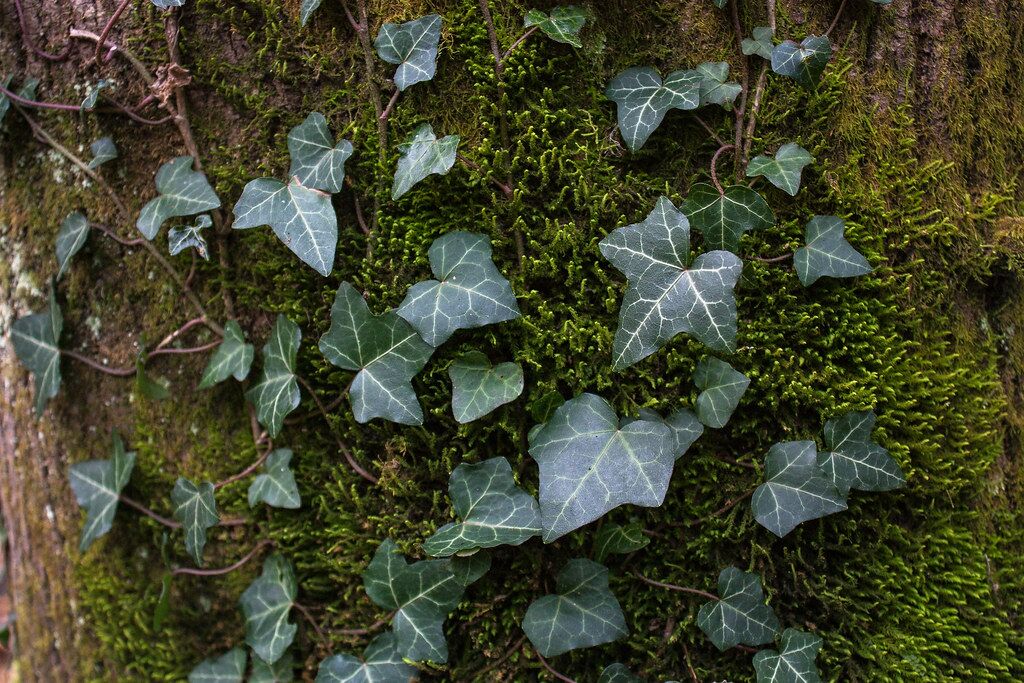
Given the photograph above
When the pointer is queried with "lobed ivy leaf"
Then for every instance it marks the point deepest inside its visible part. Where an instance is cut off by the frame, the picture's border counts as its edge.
(582, 613)
(188, 236)
(793, 663)
(614, 539)
(281, 671)
(684, 425)
(642, 99)
(469, 290)
(276, 393)
(423, 155)
(317, 162)
(803, 61)
(97, 486)
(469, 569)
(182, 192)
(413, 47)
(761, 44)
(494, 511)
(275, 485)
(36, 340)
(385, 351)
(740, 615)
(668, 294)
(714, 88)
(853, 460)
(562, 25)
(590, 464)
(306, 10)
(617, 673)
(266, 604)
(103, 150)
(228, 668)
(478, 387)
(827, 253)
(784, 170)
(795, 489)
(381, 663)
(723, 217)
(721, 387)
(92, 94)
(232, 358)
(71, 236)
(196, 509)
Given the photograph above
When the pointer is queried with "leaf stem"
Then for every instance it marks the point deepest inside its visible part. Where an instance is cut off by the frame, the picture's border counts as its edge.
(304, 611)
(224, 570)
(714, 166)
(722, 510)
(744, 88)
(709, 129)
(342, 446)
(169, 523)
(839, 13)
(519, 41)
(516, 646)
(246, 472)
(551, 670)
(774, 259)
(375, 626)
(391, 104)
(476, 167)
(734, 461)
(674, 587)
(107, 28)
(37, 104)
(136, 63)
(96, 365)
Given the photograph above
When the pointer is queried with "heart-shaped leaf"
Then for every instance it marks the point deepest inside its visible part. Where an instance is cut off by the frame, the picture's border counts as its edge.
(275, 485)
(277, 392)
(183, 192)
(493, 509)
(827, 253)
(723, 218)
(714, 88)
(196, 509)
(642, 99)
(74, 230)
(232, 357)
(590, 464)
(385, 350)
(582, 613)
(784, 170)
(685, 427)
(469, 290)
(423, 155)
(281, 671)
(92, 94)
(302, 218)
(740, 615)
(613, 539)
(266, 604)
(422, 593)
(36, 338)
(562, 25)
(189, 237)
(381, 663)
(103, 150)
(761, 44)
(412, 46)
(803, 61)
(306, 10)
(478, 387)
(853, 460)
(617, 673)
(317, 162)
(793, 663)
(228, 668)
(667, 296)
(795, 489)
(721, 387)
(97, 486)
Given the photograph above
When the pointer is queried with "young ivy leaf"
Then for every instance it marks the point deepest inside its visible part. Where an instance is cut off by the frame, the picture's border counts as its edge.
(714, 88)
(667, 294)
(478, 387)
(232, 357)
(642, 99)
(827, 253)
(562, 25)
(685, 427)
(423, 155)
(281, 671)
(761, 44)
(277, 392)
(795, 489)
(793, 663)
(803, 61)
(196, 509)
(74, 230)
(381, 663)
(306, 10)
(317, 162)
(36, 339)
(613, 539)
(179, 239)
(740, 615)
(723, 218)
(92, 94)
(152, 388)
(591, 463)
(493, 509)
(469, 290)
(228, 668)
(97, 486)
(5, 102)
(853, 460)
(275, 485)
(582, 613)
(784, 170)
(412, 46)
(182, 192)
(422, 593)
(617, 673)
(266, 604)
(385, 350)
(103, 150)
(721, 387)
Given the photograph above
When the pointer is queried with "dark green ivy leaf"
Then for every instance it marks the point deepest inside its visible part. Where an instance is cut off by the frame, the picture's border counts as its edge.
(827, 253)
(232, 358)
(412, 46)
(614, 539)
(281, 671)
(277, 392)
(5, 102)
(36, 339)
(306, 10)
(275, 485)
(685, 427)
(784, 170)
(228, 668)
(103, 150)
(617, 673)
(196, 509)
(97, 486)
(266, 604)
(163, 603)
(478, 387)
(643, 99)
(92, 94)
(182, 192)
(761, 44)
(151, 388)
(714, 88)
(803, 61)
(853, 460)
(189, 236)
(562, 25)
(721, 387)
(723, 218)
(423, 155)
(317, 162)
(794, 663)
(470, 569)
(795, 489)
(381, 663)
(740, 615)
(74, 230)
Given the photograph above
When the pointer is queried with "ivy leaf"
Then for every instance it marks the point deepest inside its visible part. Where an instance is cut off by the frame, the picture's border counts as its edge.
(5, 102)
(181, 238)
(163, 604)
(794, 664)
(228, 668)
(667, 294)
(302, 218)
(784, 170)
(97, 486)
(740, 615)
(714, 88)
(803, 61)
(478, 388)
(720, 4)
(470, 569)
(614, 539)
(266, 604)
(642, 99)
(317, 162)
(92, 94)
(423, 155)
(152, 388)
(103, 150)
(412, 46)
(232, 357)
(853, 460)
(617, 673)
(182, 192)
(685, 427)
(74, 230)
(795, 489)
(469, 290)
(721, 387)
(827, 253)
(277, 392)
(562, 25)
(381, 663)
(582, 613)
(761, 44)
(590, 464)
(493, 509)
(36, 338)
(722, 218)
(306, 10)
(167, 4)
(281, 671)
(275, 485)
(423, 593)
(196, 509)
(385, 350)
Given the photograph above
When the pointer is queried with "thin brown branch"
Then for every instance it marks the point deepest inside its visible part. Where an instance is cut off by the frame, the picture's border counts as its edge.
(246, 472)
(674, 587)
(171, 32)
(741, 110)
(774, 259)
(375, 626)
(519, 41)
(755, 106)
(516, 646)
(714, 166)
(689, 664)
(342, 446)
(492, 35)
(109, 232)
(107, 28)
(185, 350)
(96, 365)
(476, 167)
(180, 331)
(734, 461)
(551, 670)
(304, 611)
(224, 570)
(169, 523)
(391, 105)
(710, 130)
(722, 510)
(113, 47)
(839, 13)
(38, 104)
(49, 56)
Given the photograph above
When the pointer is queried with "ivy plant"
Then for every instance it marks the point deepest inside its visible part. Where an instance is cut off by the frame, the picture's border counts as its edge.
(826, 252)
(617, 673)
(276, 392)
(853, 460)
(103, 150)
(196, 510)
(232, 358)
(97, 485)
(761, 43)
(423, 155)
(317, 162)
(189, 237)
(266, 604)
(182, 192)
(795, 489)
(413, 47)
(615, 539)
(478, 387)
(794, 662)
(381, 662)
(805, 61)
(721, 387)
(36, 340)
(71, 237)
(783, 171)
(562, 25)
(723, 216)
(275, 484)
(227, 668)
(739, 616)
